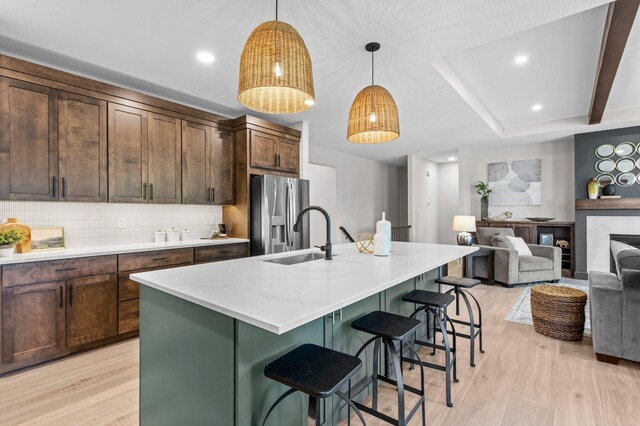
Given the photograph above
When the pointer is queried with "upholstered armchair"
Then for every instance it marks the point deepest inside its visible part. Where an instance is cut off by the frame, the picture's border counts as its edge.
(511, 269)
(615, 310)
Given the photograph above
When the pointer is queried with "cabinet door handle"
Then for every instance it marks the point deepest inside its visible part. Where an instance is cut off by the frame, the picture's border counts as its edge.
(54, 186)
(144, 191)
(70, 295)
(160, 259)
(339, 312)
(276, 160)
(61, 297)
(209, 194)
(151, 191)
(213, 194)
(66, 269)
(63, 188)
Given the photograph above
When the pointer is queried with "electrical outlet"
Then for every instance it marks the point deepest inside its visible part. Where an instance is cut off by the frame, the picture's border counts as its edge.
(122, 222)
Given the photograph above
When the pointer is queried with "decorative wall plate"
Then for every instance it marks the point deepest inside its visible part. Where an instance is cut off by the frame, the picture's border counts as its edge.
(606, 165)
(626, 179)
(638, 179)
(625, 149)
(605, 151)
(606, 179)
(625, 164)
(638, 164)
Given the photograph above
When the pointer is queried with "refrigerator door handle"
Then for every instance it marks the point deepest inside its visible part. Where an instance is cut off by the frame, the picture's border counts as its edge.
(289, 219)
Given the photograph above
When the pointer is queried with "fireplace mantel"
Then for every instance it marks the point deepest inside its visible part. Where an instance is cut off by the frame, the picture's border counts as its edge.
(608, 204)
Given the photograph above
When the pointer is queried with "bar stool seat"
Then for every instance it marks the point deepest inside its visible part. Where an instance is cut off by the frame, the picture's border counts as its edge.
(435, 303)
(460, 286)
(458, 281)
(429, 298)
(390, 330)
(315, 371)
(387, 325)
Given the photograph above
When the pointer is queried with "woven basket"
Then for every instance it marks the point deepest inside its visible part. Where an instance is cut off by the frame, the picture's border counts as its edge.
(558, 311)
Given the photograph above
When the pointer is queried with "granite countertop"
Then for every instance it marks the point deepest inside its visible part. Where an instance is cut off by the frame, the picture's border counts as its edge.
(279, 298)
(112, 249)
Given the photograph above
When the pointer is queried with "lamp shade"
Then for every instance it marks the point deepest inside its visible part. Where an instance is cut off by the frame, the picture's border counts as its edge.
(373, 117)
(464, 223)
(275, 71)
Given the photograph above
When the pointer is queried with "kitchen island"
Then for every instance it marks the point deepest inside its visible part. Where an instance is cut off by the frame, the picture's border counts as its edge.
(207, 331)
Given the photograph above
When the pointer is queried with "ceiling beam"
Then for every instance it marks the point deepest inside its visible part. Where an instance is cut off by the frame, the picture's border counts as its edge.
(620, 19)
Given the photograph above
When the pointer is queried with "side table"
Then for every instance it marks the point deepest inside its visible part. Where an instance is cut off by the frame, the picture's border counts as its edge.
(467, 264)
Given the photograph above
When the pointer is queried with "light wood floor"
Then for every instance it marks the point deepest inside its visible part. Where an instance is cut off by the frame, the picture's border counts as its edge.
(522, 379)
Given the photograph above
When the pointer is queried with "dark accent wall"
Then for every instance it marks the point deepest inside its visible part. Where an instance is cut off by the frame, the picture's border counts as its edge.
(585, 161)
(585, 149)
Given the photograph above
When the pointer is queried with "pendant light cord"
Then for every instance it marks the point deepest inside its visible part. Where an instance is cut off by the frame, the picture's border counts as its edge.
(372, 67)
(276, 10)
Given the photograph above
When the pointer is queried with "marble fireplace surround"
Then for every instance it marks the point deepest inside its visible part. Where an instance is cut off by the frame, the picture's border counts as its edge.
(599, 231)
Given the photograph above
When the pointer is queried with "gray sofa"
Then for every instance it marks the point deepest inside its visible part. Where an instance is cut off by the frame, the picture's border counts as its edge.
(615, 310)
(511, 269)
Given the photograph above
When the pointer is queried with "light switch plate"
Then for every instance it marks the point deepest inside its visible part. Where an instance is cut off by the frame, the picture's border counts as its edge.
(122, 222)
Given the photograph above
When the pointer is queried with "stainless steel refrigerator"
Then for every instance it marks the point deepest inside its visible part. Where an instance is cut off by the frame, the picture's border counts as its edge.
(275, 204)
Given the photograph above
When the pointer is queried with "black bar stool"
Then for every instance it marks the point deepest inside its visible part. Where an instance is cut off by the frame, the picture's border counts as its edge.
(316, 371)
(435, 304)
(475, 330)
(391, 330)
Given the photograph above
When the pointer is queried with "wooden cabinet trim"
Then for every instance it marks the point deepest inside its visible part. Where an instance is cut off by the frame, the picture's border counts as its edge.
(155, 259)
(128, 316)
(57, 270)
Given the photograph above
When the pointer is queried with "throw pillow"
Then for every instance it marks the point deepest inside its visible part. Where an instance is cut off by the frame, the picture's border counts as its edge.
(616, 248)
(499, 240)
(519, 244)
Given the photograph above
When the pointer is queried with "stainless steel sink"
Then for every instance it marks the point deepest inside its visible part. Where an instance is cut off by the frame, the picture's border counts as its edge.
(298, 258)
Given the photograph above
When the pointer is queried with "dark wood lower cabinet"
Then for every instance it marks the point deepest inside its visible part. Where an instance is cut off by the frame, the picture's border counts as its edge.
(33, 326)
(84, 303)
(92, 309)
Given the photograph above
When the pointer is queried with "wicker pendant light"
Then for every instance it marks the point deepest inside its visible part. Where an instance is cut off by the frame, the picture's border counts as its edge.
(275, 70)
(373, 117)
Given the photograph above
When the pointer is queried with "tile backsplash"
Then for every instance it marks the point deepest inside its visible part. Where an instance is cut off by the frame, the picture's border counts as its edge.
(96, 224)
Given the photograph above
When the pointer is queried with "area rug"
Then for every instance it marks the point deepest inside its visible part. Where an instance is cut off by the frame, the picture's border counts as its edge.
(521, 310)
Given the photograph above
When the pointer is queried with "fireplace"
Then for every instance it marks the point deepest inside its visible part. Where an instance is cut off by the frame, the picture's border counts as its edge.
(632, 240)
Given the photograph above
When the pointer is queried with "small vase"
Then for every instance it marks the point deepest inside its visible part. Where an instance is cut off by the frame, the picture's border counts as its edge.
(593, 189)
(7, 251)
(609, 190)
(484, 208)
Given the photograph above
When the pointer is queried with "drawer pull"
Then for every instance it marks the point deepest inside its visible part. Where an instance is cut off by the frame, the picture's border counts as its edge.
(66, 269)
(61, 297)
(160, 259)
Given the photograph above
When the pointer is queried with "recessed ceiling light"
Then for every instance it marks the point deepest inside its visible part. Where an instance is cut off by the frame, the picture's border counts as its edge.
(205, 57)
(451, 158)
(521, 59)
(536, 107)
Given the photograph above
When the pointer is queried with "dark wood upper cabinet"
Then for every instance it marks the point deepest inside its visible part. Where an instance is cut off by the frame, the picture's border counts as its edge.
(82, 128)
(195, 163)
(288, 156)
(207, 165)
(222, 168)
(92, 309)
(165, 159)
(127, 154)
(28, 141)
(263, 151)
(33, 319)
(274, 153)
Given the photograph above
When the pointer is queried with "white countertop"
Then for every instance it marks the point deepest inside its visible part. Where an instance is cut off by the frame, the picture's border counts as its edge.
(279, 298)
(113, 249)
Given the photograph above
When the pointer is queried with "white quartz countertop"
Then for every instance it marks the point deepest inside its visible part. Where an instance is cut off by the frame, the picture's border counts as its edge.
(279, 298)
(113, 249)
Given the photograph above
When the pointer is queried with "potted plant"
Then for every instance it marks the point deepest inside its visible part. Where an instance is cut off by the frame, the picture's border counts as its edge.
(8, 241)
(483, 190)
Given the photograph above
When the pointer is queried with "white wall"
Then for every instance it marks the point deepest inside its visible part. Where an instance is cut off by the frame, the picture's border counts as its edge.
(364, 189)
(558, 188)
(422, 176)
(96, 224)
(448, 201)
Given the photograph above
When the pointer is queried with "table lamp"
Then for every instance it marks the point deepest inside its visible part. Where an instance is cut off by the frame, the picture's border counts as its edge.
(464, 225)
